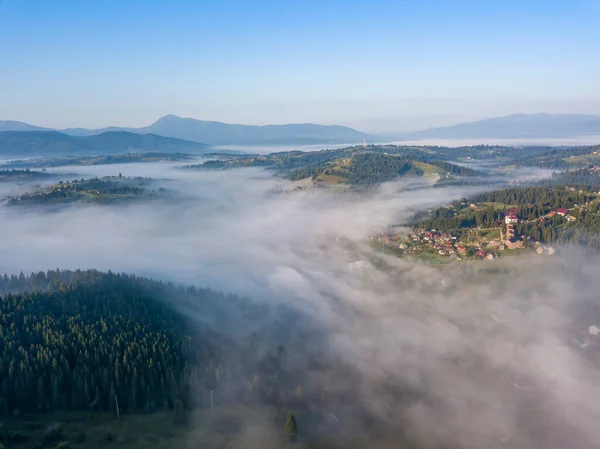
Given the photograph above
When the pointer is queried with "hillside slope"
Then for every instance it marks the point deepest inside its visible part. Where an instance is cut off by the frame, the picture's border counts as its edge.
(47, 143)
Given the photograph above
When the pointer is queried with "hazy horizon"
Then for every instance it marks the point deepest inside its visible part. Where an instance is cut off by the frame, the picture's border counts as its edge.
(376, 67)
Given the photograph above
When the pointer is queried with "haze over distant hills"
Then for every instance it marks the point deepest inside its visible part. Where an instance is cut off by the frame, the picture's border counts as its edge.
(218, 133)
(516, 126)
(45, 143)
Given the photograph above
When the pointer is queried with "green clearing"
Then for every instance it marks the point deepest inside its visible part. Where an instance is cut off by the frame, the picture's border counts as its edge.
(428, 169)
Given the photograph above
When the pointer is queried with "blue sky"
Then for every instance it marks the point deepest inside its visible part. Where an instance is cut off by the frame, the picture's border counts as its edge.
(371, 64)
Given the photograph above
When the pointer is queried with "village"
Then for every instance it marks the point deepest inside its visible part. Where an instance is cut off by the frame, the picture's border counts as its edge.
(473, 243)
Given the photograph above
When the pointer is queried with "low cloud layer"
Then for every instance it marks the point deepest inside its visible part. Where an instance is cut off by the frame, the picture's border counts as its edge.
(465, 355)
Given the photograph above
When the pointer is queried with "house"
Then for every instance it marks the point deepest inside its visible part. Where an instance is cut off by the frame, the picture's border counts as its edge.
(571, 218)
(489, 256)
(480, 254)
(561, 211)
(594, 329)
(461, 249)
(511, 218)
(551, 214)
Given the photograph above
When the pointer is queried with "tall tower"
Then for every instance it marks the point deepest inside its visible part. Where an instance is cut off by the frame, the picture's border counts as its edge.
(365, 142)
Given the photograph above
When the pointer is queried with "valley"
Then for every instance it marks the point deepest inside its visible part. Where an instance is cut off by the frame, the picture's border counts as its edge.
(204, 312)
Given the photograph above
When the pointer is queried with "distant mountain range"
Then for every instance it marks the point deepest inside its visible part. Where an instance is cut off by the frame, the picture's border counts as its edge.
(217, 133)
(516, 126)
(44, 143)
(186, 133)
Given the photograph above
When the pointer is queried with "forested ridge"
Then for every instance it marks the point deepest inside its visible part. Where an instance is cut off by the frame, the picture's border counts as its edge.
(76, 345)
(532, 205)
(374, 168)
(553, 157)
(549, 197)
(580, 179)
(370, 165)
(457, 170)
(98, 190)
(76, 340)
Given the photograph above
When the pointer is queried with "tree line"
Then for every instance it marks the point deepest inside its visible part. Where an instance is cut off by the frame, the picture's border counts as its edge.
(83, 340)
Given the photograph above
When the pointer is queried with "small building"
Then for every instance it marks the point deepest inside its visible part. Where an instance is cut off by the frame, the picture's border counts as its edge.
(480, 254)
(461, 249)
(561, 211)
(489, 256)
(511, 218)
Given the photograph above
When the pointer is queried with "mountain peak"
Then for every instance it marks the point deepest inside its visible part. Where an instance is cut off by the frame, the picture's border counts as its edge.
(169, 118)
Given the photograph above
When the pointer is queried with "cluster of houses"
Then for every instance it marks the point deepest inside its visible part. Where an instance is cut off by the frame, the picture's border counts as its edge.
(562, 212)
(442, 243)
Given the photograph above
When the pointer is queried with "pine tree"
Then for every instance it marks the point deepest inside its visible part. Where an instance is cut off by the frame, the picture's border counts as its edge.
(291, 427)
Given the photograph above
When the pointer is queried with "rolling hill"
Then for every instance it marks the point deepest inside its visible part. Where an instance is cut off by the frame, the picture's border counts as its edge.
(50, 143)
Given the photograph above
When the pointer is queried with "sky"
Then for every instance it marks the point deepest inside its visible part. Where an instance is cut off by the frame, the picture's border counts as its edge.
(375, 65)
